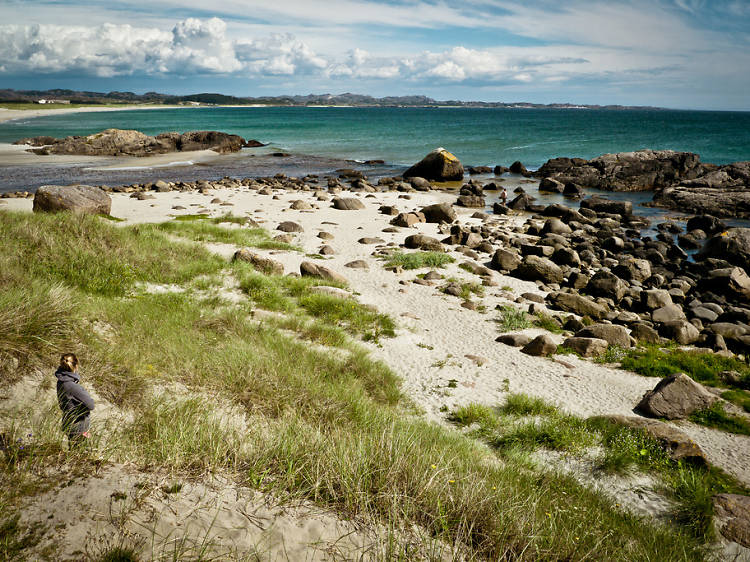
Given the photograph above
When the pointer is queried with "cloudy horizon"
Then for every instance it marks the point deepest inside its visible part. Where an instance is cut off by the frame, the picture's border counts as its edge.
(689, 54)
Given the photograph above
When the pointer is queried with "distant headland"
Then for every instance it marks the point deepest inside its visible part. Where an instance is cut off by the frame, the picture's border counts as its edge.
(62, 96)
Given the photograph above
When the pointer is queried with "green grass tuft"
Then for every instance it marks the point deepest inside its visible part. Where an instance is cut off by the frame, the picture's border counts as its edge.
(717, 417)
(417, 260)
(520, 404)
(512, 319)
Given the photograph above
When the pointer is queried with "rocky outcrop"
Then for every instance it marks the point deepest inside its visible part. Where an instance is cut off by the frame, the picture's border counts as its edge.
(724, 202)
(643, 170)
(732, 245)
(438, 165)
(676, 397)
(84, 199)
(119, 142)
(733, 517)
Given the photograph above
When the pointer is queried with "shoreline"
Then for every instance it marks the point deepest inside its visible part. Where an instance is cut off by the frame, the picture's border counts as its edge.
(7, 115)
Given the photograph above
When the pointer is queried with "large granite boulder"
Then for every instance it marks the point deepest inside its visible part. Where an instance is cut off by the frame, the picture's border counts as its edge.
(732, 245)
(440, 212)
(85, 199)
(505, 260)
(604, 205)
(122, 142)
(613, 334)
(423, 242)
(733, 517)
(676, 397)
(348, 204)
(310, 269)
(438, 165)
(536, 268)
(261, 263)
(676, 443)
(725, 202)
(540, 346)
(577, 304)
(626, 171)
(587, 347)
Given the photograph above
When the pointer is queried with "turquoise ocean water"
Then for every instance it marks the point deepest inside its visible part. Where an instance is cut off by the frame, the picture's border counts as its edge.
(323, 139)
(401, 136)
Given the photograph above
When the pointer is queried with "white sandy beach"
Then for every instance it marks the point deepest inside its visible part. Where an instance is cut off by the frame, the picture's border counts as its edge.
(13, 114)
(445, 354)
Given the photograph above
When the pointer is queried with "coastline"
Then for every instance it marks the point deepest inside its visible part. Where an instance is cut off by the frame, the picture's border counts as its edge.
(15, 114)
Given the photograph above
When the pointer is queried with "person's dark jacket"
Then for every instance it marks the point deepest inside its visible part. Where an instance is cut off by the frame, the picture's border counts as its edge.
(74, 401)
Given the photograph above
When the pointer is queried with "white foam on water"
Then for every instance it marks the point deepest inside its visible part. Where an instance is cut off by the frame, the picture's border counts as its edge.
(125, 168)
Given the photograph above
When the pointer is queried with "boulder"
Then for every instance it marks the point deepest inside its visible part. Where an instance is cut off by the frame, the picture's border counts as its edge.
(440, 212)
(668, 313)
(644, 333)
(406, 220)
(555, 226)
(678, 445)
(300, 205)
(210, 140)
(586, 347)
(540, 346)
(357, 264)
(536, 268)
(602, 205)
(733, 282)
(505, 260)
(732, 245)
(471, 201)
(290, 226)
(613, 334)
(518, 168)
(606, 284)
(676, 397)
(347, 204)
(259, 262)
(515, 340)
(733, 517)
(633, 269)
(729, 202)
(653, 299)
(420, 184)
(85, 199)
(521, 202)
(577, 304)
(681, 331)
(310, 269)
(423, 242)
(551, 186)
(708, 224)
(438, 165)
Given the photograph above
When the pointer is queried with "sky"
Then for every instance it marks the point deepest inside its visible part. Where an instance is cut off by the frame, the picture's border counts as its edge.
(691, 54)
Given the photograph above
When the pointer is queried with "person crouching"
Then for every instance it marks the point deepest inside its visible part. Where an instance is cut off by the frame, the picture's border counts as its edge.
(76, 404)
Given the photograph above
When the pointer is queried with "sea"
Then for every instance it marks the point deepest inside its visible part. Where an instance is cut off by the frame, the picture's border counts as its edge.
(321, 140)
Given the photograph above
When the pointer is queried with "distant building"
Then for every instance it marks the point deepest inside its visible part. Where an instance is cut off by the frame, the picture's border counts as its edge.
(52, 101)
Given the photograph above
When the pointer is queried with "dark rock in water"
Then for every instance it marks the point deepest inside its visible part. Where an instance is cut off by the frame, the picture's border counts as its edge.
(677, 444)
(626, 171)
(85, 199)
(440, 212)
(551, 186)
(500, 170)
(438, 165)
(603, 205)
(732, 245)
(726, 202)
(521, 202)
(708, 224)
(612, 333)
(474, 170)
(540, 346)
(676, 397)
(572, 189)
(518, 168)
(500, 209)
(733, 517)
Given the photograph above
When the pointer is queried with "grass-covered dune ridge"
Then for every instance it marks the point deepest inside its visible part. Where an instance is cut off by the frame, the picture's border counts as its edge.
(324, 425)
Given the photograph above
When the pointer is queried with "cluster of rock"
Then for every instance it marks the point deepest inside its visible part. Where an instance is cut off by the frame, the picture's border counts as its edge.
(680, 180)
(119, 142)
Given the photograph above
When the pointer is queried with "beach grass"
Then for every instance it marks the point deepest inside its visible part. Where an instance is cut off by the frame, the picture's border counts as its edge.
(209, 389)
(512, 319)
(418, 260)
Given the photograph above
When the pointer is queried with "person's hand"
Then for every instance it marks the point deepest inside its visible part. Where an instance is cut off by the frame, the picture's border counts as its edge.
(85, 434)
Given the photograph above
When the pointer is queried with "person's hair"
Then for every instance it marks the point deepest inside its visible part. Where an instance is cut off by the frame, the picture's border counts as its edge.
(69, 361)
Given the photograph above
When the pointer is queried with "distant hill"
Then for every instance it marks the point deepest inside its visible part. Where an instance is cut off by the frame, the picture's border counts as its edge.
(346, 99)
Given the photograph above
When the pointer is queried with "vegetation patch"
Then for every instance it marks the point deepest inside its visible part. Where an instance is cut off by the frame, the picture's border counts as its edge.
(512, 319)
(716, 416)
(210, 230)
(417, 260)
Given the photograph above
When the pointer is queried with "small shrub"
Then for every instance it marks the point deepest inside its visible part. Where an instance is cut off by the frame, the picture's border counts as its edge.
(512, 319)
